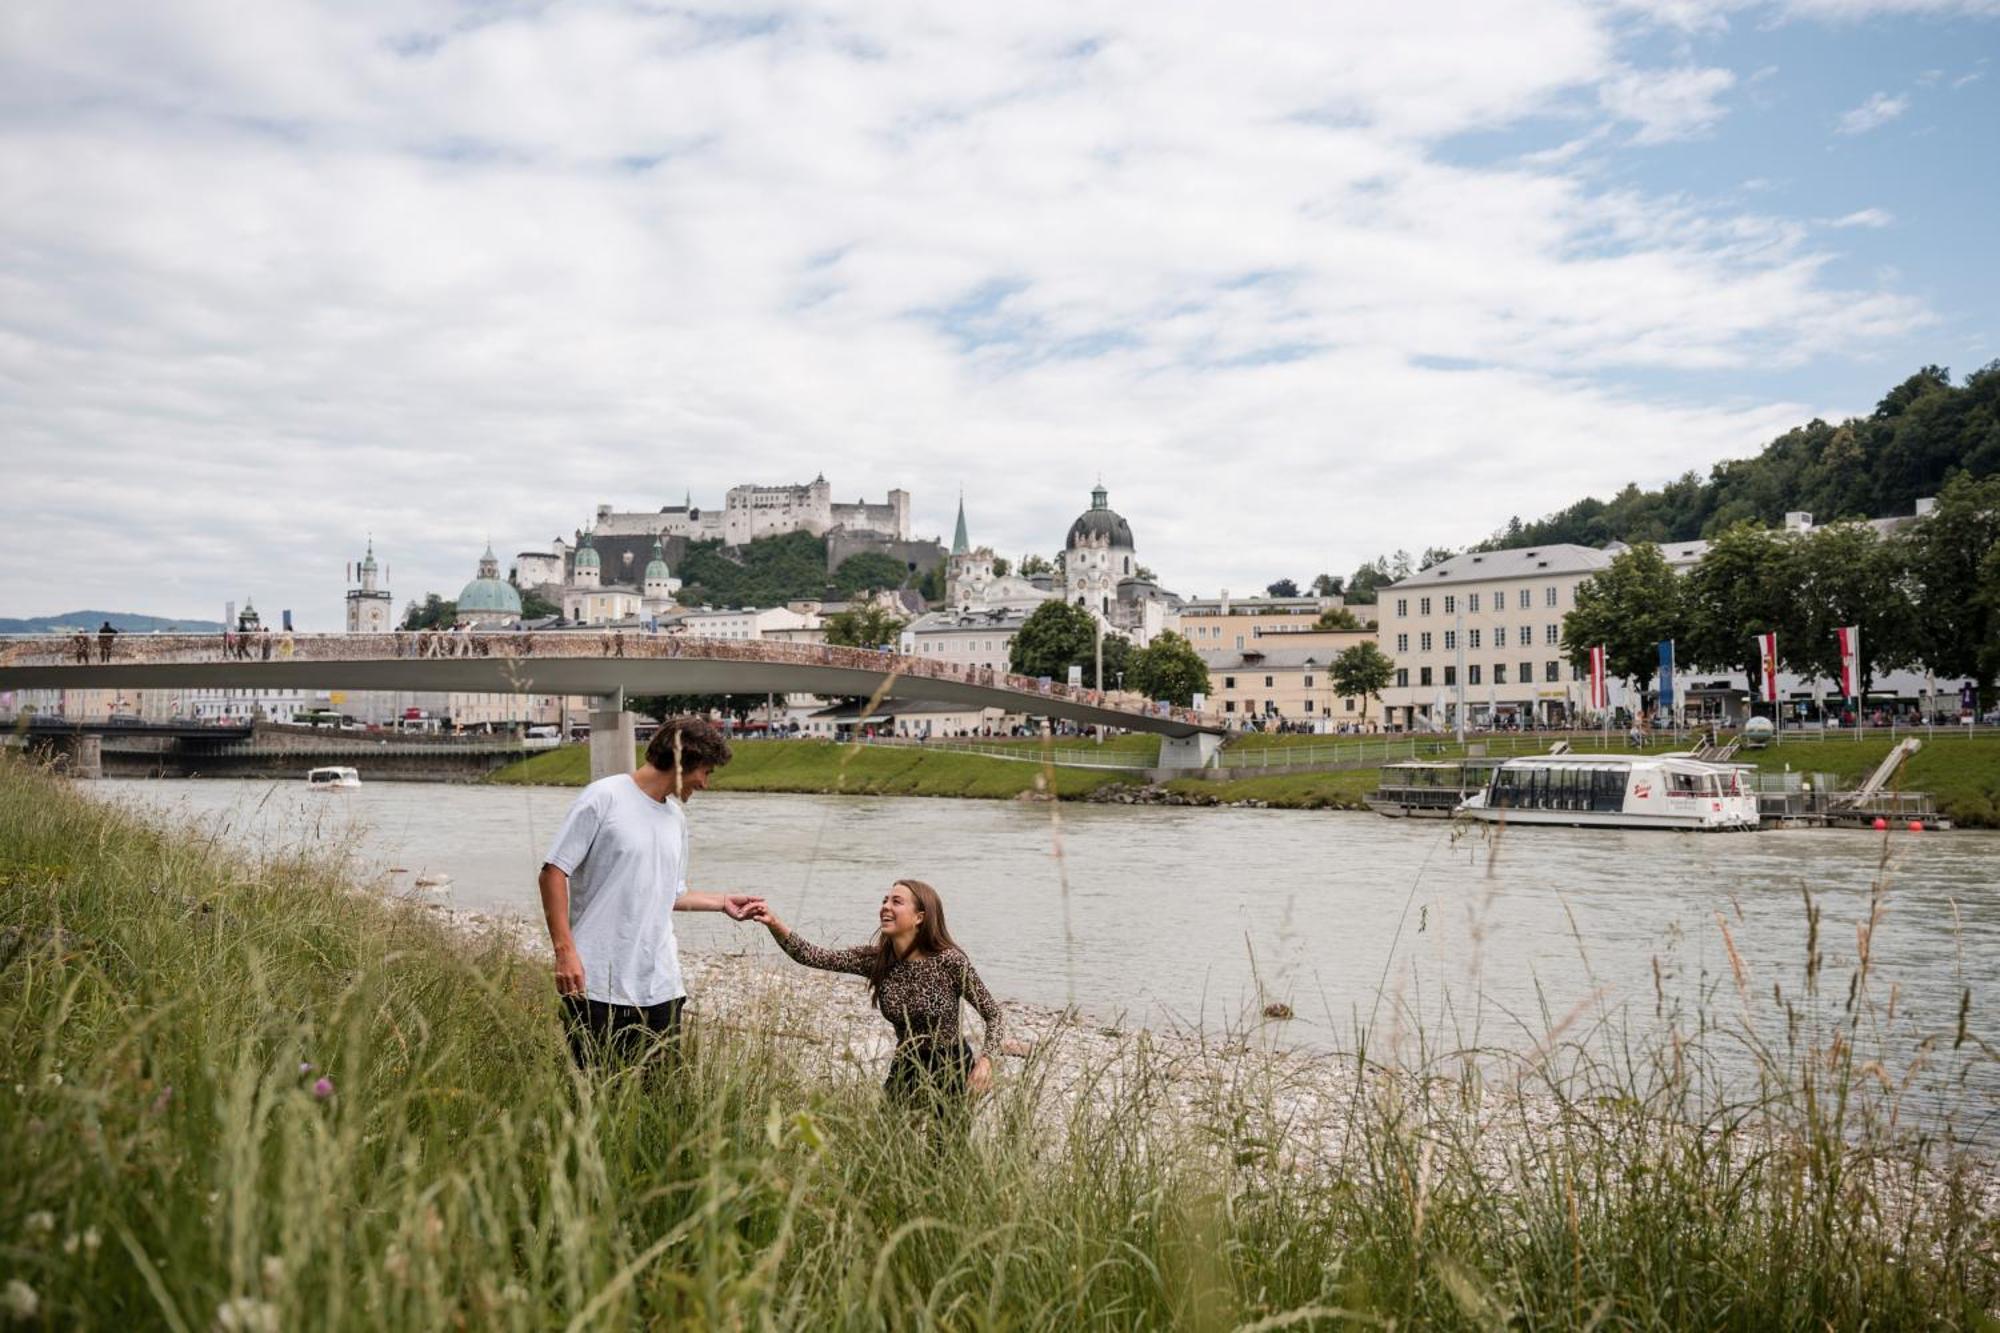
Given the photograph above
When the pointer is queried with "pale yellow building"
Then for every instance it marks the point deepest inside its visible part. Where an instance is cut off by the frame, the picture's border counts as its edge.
(1273, 683)
(1239, 624)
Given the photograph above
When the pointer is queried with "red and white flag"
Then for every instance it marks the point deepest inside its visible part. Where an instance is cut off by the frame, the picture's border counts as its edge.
(1600, 697)
(1849, 637)
(1767, 660)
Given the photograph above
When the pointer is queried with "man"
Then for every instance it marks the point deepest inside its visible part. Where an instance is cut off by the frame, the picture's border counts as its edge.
(612, 878)
(105, 634)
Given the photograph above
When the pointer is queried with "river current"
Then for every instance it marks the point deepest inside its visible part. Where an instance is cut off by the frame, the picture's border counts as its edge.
(1203, 916)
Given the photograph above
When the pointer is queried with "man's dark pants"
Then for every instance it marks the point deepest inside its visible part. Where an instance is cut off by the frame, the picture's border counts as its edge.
(607, 1034)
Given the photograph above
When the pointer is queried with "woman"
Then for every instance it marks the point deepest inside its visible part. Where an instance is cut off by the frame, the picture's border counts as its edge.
(917, 977)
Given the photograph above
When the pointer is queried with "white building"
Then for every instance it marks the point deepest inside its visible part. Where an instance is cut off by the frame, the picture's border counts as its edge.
(977, 638)
(771, 622)
(750, 512)
(972, 585)
(369, 610)
(587, 600)
(1484, 628)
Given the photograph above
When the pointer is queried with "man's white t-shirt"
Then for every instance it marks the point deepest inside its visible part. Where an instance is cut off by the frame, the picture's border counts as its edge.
(626, 856)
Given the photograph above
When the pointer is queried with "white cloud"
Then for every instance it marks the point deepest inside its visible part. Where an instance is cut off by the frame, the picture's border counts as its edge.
(1866, 217)
(1667, 104)
(1874, 113)
(282, 276)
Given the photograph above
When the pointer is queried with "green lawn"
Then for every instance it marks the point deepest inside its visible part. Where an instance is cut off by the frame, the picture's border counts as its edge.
(855, 770)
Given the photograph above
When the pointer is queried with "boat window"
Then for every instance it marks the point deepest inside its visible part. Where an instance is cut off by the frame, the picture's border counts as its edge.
(1685, 784)
(1608, 789)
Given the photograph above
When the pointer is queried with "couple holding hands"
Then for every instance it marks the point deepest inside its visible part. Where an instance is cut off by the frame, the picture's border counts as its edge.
(616, 873)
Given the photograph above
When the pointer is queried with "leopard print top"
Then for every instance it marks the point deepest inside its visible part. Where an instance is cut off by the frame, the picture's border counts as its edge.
(920, 996)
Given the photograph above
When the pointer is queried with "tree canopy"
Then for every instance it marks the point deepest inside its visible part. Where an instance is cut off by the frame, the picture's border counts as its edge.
(1363, 670)
(1055, 635)
(864, 627)
(1921, 433)
(1168, 668)
(1338, 617)
(1282, 588)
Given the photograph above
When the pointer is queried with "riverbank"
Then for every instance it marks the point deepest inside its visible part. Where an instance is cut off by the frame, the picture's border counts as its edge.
(250, 1095)
(1961, 773)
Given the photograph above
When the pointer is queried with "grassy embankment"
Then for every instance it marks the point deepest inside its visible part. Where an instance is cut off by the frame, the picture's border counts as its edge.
(1962, 773)
(168, 1014)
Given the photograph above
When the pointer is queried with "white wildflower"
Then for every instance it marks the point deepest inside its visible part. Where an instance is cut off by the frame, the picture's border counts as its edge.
(274, 1271)
(55, 1078)
(91, 1240)
(20, 1300)
(42, 1221)
(70, 1242)
(514, 1294)
(242, 1314)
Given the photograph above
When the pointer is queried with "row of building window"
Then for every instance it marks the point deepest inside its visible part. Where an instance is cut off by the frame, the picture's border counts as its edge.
(1229, 682)
(1524, 599)
(1524, 636)
(1271, 706)
(1551, 674)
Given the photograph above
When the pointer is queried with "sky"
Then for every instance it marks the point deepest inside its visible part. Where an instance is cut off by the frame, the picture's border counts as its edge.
(1302, 284)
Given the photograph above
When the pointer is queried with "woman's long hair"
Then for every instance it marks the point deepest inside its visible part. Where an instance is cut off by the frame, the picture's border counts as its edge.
(932, 937)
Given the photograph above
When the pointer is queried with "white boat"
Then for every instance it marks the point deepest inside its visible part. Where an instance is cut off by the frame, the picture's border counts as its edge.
(329, 779)
(1669, 791)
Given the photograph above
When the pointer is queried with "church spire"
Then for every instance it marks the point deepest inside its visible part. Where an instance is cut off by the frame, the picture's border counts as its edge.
(960, 543)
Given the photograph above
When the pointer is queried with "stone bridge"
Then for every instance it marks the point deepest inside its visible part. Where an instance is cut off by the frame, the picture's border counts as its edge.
(608, 664)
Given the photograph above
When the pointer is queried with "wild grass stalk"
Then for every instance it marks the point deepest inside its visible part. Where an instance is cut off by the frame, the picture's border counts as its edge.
(243, 1095)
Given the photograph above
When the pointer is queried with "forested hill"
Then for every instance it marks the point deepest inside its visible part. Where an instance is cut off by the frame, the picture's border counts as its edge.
(1923, 430)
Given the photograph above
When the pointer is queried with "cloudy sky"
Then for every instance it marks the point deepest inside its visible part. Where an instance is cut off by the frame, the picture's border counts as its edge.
(1303, 283)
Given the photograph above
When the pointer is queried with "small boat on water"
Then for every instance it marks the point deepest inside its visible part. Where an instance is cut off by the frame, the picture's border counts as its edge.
(1669, 791)
(332, 778)
(1429, 788)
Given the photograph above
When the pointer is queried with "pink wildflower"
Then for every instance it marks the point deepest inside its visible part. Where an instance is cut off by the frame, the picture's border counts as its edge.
(323, 1087)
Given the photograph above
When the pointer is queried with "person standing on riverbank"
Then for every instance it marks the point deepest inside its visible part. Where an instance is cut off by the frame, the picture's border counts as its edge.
(920, 979)
(614, 875)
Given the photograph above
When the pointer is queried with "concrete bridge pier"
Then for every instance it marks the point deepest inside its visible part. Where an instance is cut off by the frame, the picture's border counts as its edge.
(1196, 751)
(614, 739)
(79, 755)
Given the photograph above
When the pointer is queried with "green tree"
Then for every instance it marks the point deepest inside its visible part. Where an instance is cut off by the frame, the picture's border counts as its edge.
(1845, 575)
(1736, 593)
(1057, 635)
(534, 606)
(1628, 607)
(1035, 564)
(870, 571)
(1378, 573)
(1337, 617)
(1326, 585)
(1949, 557)
(931, 586)
(1168, 668)
(1435, 555)
(435, 613)
(867, 626)
(1365, 671)
(1145, 573)
(1001, 567)
(1282, 588)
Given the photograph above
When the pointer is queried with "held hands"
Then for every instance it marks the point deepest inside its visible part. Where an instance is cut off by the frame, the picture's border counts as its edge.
(741, 906)
(764, 916)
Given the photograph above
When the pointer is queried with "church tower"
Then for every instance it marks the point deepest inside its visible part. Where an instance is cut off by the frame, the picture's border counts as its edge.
(368, 608)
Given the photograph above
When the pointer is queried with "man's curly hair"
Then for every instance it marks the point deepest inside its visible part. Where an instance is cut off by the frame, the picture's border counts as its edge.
(700, 745)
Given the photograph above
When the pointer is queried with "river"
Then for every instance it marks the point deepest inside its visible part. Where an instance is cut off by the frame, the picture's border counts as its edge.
(1201, 916)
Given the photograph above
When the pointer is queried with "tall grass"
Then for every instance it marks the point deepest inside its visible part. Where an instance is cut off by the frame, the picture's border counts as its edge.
(172, 1158)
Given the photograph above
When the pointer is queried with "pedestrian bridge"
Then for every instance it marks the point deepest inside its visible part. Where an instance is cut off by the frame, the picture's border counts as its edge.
(604, 663)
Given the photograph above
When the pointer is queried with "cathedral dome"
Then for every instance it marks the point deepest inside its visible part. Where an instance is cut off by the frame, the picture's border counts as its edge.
(1100, 523)
(656, 568)
(490, 596)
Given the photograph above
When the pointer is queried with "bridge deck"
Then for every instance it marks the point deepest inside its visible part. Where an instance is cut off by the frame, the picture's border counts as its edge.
(585, 662)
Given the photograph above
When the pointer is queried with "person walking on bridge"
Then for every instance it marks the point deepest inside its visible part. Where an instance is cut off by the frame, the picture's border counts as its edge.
(613, 877)
(105, 635)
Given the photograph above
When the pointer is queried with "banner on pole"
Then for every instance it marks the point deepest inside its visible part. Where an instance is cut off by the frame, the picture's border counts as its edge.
(1666, 675)
(1599, 697)
(1767, 662)
(1849, 638)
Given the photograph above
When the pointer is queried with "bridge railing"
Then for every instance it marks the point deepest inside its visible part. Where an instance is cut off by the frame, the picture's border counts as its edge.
(523, 646)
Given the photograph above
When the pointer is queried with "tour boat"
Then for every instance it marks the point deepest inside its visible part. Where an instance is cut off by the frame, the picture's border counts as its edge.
(1668, 791)
(327, 779)
(1428, 788)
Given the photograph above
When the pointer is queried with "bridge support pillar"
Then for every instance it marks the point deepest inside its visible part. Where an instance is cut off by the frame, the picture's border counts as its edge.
(1196, 751)
(614, 742)
(76, 755)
